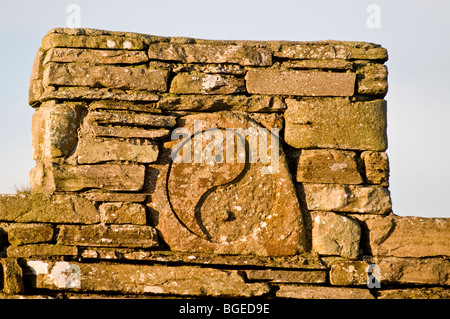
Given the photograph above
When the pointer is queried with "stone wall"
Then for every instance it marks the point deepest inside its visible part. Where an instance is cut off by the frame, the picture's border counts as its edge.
(175, 167)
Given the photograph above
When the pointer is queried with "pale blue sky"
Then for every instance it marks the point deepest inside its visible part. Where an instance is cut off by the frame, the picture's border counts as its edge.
(415, 32)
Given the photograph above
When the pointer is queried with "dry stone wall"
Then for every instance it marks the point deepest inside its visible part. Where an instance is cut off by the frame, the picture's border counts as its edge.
(176, 167)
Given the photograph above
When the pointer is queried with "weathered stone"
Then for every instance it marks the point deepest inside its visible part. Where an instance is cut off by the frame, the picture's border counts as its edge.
(347, 198)
(48, 209)
(101, 150)
(333, 50)
(70, 55)
(105, 76)
(335, 64)
(138, 279)
(97, 196)
(371, 78)
(91, 93)
(54, 129)
(112, 177)
(303, 261)
(123, 213)
(65, 38)
(334, 234)
(328, 166)
(415, 293)
(214, 53)
(127, 132)
(49, 250)
(301, 83)
(350, 273)
(137, 106)
(336, 123)
(254, 103)
(21, 234)
(131, 118)
(202, 83)
(216, 215)
(35, 89)
(288, 276)
(409, 236)
(393, 270)
(108, 235)
(318, 292)
(209, 68)
(377, 167)
(12, 276)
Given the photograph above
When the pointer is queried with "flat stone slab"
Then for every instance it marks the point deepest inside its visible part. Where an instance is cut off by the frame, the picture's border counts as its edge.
(409, 236)
(347, 198)
(211, 53)
(328, 166)
(392, 270)
(108, 235)
(105, 76)
(300, 83)
(38, 208)
(141, 279)
(318, 292)
(73, 55)
(336, 123)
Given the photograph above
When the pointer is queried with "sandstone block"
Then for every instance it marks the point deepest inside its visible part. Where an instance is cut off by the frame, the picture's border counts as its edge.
(430, 271)
(119, 117)
(99, 196)
(108, 235)
(294, 262)
(409, 236)
(415, 293)
(210, 53)
(54, 129)
(111, 177)
(327, 64)
(350, 273)
(318, 292)
(377, 167)
(94, 93)
(38, 208)
(34, 250)
(254, 103)
(140, 279)
(328, 166)
(127, 132)
(334, 234)
(35, 89)
(123, 213)
(336, 123)
(202, 83)
(73, 55)
(287, 276)
(371, 78)
(148, 107)
(300, 83)
(332, 50)
(12, 276)
(21, 234)
(61, 74)
(214, 68)
(95, 39)
(393, 270)
(91, 151)
(348, 198)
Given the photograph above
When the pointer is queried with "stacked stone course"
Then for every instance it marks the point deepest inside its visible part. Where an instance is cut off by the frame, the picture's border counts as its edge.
(110, 212)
